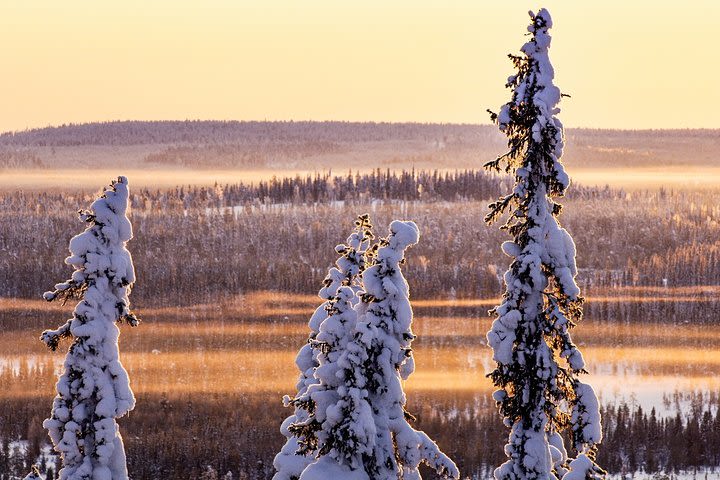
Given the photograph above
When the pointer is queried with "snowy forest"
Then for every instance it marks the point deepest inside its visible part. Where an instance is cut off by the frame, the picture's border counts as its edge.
(649, 264)
(361, 301)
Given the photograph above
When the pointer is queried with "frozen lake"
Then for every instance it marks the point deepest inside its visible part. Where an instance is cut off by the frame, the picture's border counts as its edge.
(249, 345)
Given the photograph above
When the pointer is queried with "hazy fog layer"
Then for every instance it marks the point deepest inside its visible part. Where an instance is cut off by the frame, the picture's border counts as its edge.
(165, 154)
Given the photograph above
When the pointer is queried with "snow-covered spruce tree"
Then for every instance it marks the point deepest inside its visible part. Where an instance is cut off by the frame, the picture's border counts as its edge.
(94, 388)
(384, 332)
(298, 453)
(359, 425)
(538, 365)
(339, 427)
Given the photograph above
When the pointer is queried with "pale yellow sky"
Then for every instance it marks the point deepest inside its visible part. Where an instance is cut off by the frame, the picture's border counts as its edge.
(627, 64)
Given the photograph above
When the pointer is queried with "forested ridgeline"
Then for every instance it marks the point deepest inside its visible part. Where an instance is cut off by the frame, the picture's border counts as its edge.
(218, 132)
(234, 144)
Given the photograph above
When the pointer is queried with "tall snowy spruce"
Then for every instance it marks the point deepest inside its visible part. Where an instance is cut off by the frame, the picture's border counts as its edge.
(297, 453)
(94, 388)
(538, 365)
(358, 424)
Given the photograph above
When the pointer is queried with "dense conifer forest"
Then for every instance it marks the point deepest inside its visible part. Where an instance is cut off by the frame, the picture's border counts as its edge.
(653, 238)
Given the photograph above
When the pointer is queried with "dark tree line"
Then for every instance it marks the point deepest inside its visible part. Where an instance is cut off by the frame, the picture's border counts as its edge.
(326, 187)
(638, 440)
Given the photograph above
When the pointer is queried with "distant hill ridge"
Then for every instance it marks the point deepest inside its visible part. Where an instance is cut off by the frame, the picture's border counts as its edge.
(124, 133)
(212, 131)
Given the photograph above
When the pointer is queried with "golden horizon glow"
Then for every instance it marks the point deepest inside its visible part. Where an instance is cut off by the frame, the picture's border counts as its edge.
(626, 64)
